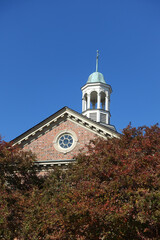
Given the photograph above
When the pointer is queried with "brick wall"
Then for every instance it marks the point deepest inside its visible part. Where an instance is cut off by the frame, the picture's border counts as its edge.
(44, 148)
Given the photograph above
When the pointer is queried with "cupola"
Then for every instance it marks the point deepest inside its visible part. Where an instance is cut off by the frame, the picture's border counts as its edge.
(96, 98)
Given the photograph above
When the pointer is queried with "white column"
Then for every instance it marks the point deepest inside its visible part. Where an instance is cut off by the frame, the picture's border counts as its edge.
(98, 106)
(83, 104)
(109, 103)
(98, 101)
(106, 101)
(88, 101)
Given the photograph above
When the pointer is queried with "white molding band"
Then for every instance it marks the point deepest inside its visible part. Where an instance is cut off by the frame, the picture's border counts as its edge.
(56, 141)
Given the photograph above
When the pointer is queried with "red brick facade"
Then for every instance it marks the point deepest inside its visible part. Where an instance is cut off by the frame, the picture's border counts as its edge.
(44, 148)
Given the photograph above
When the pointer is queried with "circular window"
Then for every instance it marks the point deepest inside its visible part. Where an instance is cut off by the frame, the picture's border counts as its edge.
(65, 141)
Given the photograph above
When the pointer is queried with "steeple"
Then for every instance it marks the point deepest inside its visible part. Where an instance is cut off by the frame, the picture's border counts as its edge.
(96, 98)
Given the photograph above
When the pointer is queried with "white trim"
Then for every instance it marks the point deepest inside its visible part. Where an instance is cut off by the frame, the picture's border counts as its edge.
(89, 128)
(79, 119)
(100, 127)
(39, 129)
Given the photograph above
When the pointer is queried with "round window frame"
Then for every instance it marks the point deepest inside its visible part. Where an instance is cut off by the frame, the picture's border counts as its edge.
(65, 150)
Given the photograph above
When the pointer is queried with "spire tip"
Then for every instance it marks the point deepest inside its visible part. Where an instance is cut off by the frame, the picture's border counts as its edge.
(97, 61)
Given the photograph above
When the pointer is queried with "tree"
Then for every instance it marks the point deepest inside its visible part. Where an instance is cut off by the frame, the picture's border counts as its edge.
(18, 177)
(113, 192)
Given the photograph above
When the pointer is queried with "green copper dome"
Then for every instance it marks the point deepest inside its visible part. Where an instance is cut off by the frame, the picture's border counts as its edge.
(96, 77)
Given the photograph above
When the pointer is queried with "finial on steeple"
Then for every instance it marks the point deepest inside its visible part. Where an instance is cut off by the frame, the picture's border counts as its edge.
(97, 61)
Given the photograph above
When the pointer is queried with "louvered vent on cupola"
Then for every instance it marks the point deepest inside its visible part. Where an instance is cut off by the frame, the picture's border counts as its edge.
(103, 118)
(93, 116)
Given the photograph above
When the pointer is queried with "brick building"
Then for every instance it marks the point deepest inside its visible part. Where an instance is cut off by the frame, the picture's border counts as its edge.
(58, 138)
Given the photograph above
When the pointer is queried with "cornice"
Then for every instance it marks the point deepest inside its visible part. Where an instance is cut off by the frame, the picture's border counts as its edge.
(60, 116)
(96, 84)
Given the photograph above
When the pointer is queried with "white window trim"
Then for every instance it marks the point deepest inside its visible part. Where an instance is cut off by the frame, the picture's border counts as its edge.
(65, 150)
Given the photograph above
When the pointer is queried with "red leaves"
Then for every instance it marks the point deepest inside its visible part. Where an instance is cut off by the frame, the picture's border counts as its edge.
(113, 192)
(17, 179)
(115, 182)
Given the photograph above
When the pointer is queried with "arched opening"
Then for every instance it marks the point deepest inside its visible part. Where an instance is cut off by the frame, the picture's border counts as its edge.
(103, 95)
(93, 100)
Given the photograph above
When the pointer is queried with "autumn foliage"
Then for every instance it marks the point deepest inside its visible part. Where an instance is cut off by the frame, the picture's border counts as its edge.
(111, 193)
(18, 177)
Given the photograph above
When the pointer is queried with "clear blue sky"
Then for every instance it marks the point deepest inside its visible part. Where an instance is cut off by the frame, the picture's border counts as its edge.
(48, 50)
